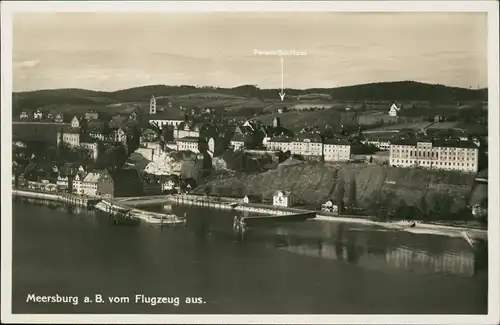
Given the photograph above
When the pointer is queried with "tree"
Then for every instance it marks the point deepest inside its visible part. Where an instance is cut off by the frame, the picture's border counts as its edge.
(423, 207)
(352, 195)
(340, 195)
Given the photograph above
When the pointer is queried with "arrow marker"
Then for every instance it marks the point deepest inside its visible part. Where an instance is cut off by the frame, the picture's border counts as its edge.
(282, 94)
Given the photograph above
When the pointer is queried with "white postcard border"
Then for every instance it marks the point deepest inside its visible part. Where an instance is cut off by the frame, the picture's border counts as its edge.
(8, 7)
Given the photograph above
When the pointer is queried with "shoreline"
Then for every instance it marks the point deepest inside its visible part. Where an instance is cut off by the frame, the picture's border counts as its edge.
(420, 226)
(226, 203)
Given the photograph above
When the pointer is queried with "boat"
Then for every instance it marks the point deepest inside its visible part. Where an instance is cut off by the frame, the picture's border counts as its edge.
(158, 218)
(401, 224)
(146, 216)
(469, 240)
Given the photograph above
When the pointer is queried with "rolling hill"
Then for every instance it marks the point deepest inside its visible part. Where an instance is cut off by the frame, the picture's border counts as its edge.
(260, 98)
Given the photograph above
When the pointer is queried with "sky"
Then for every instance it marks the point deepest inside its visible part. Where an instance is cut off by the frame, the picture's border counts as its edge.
(112, 51)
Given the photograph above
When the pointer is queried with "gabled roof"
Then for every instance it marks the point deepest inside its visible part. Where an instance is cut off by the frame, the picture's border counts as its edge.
(281, 139)
(92, 177)
(95, 126)
(308, 137)
(238, 137)
(340, 142)
(67, 168)
(128, 177)
(81, 175)
(166, 116)
(396, 107)
(244, 129)
(148, 132)
(285, 193)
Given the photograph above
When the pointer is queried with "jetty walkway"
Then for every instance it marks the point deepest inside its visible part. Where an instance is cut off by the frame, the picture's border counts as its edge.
(71, 199)
(262, 211)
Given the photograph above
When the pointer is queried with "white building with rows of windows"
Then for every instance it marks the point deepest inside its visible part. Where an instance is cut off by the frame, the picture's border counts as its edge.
(337, 150)
(188, 144)
(445, 155)
(312, 146)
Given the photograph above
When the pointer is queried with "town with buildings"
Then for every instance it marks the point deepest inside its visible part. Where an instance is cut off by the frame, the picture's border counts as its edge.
(207, 160)
(94, 151)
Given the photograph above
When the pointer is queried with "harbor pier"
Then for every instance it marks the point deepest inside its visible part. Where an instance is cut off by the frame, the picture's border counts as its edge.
(65, 198)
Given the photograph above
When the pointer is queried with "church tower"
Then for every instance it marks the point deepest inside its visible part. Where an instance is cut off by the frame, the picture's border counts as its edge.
(152, 105)
(276, 122)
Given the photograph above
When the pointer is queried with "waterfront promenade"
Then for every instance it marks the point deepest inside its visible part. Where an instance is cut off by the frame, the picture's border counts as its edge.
(261, 211)
(226, 203)
(71, 199)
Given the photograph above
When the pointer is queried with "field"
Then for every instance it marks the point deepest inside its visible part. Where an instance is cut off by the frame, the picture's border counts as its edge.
(314, 183)
(249, 101)
(444, 125)
(410, 126)
(316, 105)
(209, 95)
(296, 120)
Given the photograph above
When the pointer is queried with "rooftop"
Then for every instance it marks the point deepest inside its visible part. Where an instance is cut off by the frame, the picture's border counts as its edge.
(188, 139)
(92, 177)
(437, 143)
(342, 142)
(165, 116)
(238, 137)
(302, 137)
(281, 139)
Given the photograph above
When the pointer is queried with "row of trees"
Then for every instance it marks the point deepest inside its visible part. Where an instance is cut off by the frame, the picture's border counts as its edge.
(439, 207)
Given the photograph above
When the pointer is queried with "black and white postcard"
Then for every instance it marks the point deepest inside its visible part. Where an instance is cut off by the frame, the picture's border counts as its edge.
(265, 162)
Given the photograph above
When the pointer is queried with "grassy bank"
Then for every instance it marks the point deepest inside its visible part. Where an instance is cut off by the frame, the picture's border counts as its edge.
(367, 187)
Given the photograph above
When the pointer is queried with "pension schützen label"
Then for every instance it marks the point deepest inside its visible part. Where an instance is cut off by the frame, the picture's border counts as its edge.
(279, 52)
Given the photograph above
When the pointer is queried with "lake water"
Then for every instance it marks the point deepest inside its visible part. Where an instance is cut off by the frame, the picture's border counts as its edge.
(304, 267)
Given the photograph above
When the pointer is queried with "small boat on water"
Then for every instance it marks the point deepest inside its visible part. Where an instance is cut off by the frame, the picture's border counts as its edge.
(160, 219)
(402, 224)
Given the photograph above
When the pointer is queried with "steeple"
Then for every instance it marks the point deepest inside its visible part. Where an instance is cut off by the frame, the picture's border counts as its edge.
(152, 105)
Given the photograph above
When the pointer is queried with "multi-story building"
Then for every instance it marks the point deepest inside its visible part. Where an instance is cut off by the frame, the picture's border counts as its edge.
(283, 198)
(280, 143)
(187, 130)
(71, 137)
(160, 120)
(312, 146)
(38, 115)
(379, 140)
(238, 141)
(394, 110)
(188, 144)
(118, 135)
(103, 183)
(23, 115)
(147, 136)
(78, 181)
(74, 138)
(89, 183)
(91, 115)
(336, 150)
(427, 153)
(59, 118)
(307, 145)
(75, 122)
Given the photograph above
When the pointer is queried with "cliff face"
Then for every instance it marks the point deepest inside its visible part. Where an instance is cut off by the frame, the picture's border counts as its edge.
(314, 183)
